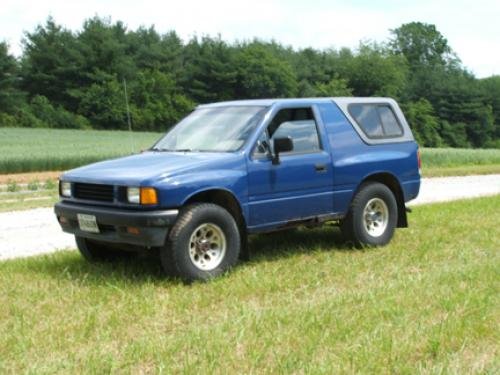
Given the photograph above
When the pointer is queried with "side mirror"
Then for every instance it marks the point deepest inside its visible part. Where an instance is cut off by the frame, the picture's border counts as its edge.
(284, 144)
(263, 148)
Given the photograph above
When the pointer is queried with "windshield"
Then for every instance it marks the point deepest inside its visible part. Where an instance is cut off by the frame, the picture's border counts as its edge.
(222, 129)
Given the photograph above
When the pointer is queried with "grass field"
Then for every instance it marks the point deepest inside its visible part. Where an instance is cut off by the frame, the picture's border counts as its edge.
(466, 170)
(459, 161)
(30, 194)
(305, 303)
(26, 150)
(28, 199)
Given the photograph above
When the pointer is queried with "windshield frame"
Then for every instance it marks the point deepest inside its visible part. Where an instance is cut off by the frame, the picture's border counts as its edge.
(259, 117)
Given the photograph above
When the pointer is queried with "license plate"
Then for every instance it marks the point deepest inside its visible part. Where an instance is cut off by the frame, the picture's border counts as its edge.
(87, 223)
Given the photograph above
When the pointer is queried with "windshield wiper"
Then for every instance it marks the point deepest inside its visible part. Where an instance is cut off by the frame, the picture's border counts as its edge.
(171, 149)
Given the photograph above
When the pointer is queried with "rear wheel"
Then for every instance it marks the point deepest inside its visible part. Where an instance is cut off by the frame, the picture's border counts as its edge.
(203, 243)
(372, 216)
(96, 251)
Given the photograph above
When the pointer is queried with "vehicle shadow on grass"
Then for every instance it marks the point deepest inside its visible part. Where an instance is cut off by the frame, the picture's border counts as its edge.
(68, 265)
(147, 269)
(279, 245)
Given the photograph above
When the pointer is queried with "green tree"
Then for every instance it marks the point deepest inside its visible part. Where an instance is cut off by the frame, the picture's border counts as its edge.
(55, 117)
(263, 75)
(52, 64)
(422, 45)
(75, 78)
(454, 135)
(335, 87)
(429, 57)
(107, 51)
(313, 68)
(157, 103)
(152, 51)
(10, 96)
(210, 71)
(373, 71)
(461, 100)
(490, 88)
(424, 123)
(104, 105)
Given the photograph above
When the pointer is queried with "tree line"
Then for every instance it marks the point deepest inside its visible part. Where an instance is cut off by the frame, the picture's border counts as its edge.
(75, 79)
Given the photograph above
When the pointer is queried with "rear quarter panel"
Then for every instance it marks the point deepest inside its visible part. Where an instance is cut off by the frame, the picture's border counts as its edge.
(354, 160)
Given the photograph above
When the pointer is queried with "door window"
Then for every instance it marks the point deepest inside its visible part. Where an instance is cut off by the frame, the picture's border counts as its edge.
(298, 124)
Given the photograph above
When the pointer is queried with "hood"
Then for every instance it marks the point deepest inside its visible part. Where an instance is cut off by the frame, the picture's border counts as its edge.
(150, 166)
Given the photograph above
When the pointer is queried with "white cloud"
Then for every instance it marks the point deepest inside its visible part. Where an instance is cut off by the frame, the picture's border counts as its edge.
(472, 28)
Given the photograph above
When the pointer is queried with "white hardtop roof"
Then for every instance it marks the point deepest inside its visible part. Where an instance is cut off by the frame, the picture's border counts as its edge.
(305, 101)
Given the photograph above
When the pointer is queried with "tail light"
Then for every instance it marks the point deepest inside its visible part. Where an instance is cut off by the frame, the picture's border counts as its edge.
(419, 160)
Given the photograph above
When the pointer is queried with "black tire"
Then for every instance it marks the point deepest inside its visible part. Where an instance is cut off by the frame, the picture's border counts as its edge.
(95, 251)
(354, 226)
(180, 258)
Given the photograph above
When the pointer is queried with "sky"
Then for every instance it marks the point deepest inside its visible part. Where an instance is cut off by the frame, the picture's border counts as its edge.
(471, 27)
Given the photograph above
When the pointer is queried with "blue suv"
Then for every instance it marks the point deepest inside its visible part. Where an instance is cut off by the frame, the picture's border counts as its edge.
(236, 168)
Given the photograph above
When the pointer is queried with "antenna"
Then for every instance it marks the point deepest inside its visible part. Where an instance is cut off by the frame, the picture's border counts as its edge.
(132, 144)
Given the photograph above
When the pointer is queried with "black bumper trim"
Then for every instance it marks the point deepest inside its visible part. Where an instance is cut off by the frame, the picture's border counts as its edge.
(113, 222)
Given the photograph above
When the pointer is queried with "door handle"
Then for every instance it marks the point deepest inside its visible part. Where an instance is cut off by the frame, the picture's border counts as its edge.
(320, 168)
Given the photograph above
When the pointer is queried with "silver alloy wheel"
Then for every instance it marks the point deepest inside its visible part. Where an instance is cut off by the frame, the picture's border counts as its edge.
(376, 217)
(207, 246)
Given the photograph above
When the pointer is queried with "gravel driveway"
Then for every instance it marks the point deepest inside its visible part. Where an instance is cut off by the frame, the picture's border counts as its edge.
(31, 232)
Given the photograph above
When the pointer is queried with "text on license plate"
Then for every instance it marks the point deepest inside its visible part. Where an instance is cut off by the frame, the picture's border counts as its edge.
(87, 223)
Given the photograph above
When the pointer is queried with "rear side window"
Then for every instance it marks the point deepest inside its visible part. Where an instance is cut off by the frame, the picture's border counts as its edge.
(376, 120)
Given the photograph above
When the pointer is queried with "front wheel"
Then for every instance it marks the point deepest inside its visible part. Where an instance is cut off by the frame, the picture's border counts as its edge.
(372, 216)
(203, 243)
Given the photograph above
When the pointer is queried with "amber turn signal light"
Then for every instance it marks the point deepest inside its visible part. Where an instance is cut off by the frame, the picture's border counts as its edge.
(133, 230)
(148, 195)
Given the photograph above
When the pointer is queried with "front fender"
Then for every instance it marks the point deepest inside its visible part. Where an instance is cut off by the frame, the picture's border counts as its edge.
(175, 191)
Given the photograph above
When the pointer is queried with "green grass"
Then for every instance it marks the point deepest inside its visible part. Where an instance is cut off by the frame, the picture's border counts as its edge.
(33, 150)
(459, 161)
(456, 157)
(305, 303)
(32, 199)
(25, 150)
(466, 159)
(461, 171)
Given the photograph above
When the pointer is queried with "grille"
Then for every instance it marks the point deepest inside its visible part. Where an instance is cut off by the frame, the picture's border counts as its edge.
(93, 192)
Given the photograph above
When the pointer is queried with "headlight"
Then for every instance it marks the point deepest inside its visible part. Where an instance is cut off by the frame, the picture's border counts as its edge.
(142, 195)
(134, 195)
(65, 188)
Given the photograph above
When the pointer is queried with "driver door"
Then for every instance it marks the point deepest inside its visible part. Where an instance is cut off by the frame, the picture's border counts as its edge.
(300, 186)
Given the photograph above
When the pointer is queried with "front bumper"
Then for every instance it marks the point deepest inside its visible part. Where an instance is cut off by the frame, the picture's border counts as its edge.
(142, 228)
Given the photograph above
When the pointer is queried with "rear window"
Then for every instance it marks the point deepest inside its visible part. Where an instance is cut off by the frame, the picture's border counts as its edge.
(376, 120)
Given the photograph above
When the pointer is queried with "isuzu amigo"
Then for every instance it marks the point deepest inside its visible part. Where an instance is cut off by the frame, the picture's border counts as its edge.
(236, 168)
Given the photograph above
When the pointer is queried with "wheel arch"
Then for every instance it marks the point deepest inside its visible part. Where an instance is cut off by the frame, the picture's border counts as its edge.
(391, 181)
(223, 198)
